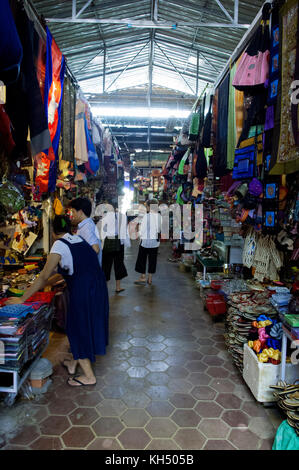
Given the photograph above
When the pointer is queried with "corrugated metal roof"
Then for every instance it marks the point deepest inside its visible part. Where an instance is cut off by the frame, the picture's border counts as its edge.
(113, 55)
(82, 42)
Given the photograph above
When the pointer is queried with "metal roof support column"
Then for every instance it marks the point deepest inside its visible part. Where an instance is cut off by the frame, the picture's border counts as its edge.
(149, 96)
(236, 17)
(104, 71)
(197, 72)
(74, 9)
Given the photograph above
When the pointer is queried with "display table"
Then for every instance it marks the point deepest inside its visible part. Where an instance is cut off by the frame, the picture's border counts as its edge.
(209, 263)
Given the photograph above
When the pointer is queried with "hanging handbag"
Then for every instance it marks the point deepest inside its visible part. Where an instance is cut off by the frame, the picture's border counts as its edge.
(195, 121)
(206, 136)
(253, 69)
(248, 156)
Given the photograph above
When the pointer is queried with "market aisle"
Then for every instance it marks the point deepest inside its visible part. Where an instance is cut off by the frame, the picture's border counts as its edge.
(167, 381)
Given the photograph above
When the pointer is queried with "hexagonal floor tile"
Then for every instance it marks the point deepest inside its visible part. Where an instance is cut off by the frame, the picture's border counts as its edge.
(135, 418)
(113, 391)
(138, 361)
(177, 372)
(186, 418)
(158, 392)
(229, 401)
(133, 400)
(208, 409)
(262, 428)
(179, 386)
(236, 419)
(157, 378)
(104, 444)
(78, 437)
(162, 444)
(160, 409)
(244, 440)
(218, 444)
(182, 400)
(161, 427)
(54, 425)
(47, 443)
(137, 372)
(214, 428)
(83, 416)
(223, 385)
(199, 378)
(107, 427)
(157, 355)
(134, 439)
(157, 366)
(88, 399)
(61, 406)
(203, 393)
(209, 350)
(110, 407)
(190, 439)
(26, 435)
(213, 361)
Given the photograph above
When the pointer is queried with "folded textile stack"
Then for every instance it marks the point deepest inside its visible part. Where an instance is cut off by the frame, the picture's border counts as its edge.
(265, 339)
(244, 308)
(288, 400)
(281, 299)
(24, 331)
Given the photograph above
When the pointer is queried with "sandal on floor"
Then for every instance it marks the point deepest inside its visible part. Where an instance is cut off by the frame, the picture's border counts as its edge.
(140, 283)
(79, 382)
(120, 290)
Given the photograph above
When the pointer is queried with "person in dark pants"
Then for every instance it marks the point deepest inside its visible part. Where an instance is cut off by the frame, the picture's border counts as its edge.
(150, 228)
(113, 254)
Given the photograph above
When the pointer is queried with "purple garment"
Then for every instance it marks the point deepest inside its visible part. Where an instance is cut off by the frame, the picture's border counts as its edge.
(269, 124)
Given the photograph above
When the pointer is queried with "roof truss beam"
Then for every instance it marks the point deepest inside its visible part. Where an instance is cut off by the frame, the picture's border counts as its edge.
(145, 23)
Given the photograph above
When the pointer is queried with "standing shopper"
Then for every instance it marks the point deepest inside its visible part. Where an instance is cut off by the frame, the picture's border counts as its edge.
(150, 228)
(113, 254)
(88, 313)
(86, 228)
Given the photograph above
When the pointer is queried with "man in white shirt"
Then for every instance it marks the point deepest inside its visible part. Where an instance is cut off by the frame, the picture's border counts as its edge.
(86, 228)
(150, 228)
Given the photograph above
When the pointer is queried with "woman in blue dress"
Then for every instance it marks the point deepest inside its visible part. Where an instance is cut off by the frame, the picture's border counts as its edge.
(88, 315)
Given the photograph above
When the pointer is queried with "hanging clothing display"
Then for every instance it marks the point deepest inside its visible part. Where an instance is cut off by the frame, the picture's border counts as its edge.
(68, 120)
(81, 154)
(46, 163)
(220, 163)
(24, 101)
(288, 153)
(11, 51)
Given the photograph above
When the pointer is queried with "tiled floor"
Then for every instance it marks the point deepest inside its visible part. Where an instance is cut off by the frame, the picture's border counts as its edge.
(167, 381)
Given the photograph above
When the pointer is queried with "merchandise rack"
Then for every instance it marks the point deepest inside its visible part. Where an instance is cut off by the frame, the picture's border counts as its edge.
(17, 378)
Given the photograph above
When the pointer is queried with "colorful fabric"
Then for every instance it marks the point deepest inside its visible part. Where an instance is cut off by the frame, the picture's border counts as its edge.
(231, 136)
(81, 154)
(46, 163)
(288, 152)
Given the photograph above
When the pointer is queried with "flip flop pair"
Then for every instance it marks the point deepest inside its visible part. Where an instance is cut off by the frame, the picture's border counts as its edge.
(75, 379)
